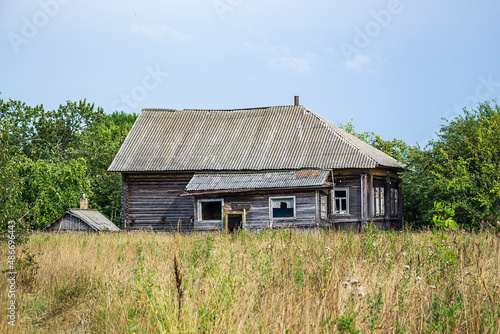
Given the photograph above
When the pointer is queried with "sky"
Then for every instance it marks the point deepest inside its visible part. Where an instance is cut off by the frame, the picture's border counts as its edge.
(394, 67)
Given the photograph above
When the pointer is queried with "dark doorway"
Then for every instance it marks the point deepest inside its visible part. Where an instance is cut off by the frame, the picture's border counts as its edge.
(234, 222)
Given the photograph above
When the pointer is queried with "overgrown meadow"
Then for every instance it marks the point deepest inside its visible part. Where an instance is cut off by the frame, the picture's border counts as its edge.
(284, 281)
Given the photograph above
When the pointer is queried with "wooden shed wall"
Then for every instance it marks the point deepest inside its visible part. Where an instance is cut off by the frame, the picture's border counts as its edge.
(154, 201)
(69, 223)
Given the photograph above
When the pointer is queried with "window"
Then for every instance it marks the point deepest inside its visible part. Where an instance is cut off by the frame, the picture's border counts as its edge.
(379, 201)
(340, 201)
(394, 202)
(282, 207)
(210, 210)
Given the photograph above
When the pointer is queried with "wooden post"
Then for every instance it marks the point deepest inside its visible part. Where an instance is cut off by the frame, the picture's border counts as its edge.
(371, 209)
(244, 222)
(318, 208)
(364, 200)
(125, 224)
(387, 199)
(400, 204)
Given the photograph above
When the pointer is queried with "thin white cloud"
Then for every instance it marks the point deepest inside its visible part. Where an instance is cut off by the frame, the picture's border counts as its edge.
(156, 31)
(295, 64)
(277, 56)
(359, 63)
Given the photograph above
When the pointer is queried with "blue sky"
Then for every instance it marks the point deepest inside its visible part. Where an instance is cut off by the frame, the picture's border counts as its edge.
(395, 67)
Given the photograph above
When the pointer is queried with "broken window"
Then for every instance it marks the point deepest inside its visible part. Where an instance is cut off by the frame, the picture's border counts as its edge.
(282, 207)
(340, 201)
(210, 210)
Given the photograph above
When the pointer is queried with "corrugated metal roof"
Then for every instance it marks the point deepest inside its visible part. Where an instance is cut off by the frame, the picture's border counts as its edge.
(272, 138)
(95, 219)
(256, 180)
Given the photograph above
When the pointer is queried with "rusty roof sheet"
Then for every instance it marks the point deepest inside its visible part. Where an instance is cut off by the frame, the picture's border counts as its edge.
(256, 180)
(271, 138)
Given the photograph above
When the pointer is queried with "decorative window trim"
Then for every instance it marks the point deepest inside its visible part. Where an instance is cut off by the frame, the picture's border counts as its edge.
(394, 202)
(379, 201)
(199, 215)
(334, 202)
(271, 217)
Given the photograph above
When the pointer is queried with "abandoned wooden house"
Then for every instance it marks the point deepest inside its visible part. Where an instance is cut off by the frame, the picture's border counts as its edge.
(252, 168)
(82, 220)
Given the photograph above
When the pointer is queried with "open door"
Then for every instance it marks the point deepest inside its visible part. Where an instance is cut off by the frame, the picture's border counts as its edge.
(234, 220)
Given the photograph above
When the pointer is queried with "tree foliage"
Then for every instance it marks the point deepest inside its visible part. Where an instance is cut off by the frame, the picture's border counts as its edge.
(48, 157)
(461, 169)
(396, 148)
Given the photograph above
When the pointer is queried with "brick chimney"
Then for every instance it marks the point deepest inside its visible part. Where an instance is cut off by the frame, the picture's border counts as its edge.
(296, 100)
(84, 202)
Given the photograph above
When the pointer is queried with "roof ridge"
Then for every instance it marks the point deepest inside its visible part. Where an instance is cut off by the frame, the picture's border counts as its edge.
(222, 110)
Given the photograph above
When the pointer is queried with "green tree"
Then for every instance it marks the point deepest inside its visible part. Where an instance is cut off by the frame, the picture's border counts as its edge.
(396, 148)
(100, 145)
(52, 188)
(50, 135)
(12, 206)
(49, 155)
(461, 169)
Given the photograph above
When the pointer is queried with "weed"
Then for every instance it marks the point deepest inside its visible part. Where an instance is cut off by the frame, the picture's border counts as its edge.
(178, 285)
(347, 322)
(374, 310)
(27, 269)
(271, 282)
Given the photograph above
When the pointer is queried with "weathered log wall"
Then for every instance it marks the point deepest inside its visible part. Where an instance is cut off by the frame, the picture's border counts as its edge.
(153, 201)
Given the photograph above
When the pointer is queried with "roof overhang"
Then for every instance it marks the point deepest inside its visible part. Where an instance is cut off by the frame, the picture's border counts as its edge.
(237, 182)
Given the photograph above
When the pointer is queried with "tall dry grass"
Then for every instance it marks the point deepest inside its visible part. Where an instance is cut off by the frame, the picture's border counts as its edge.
(274, 282)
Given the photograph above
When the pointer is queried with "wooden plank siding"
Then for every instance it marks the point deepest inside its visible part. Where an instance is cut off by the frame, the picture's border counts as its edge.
(69, 223)
(257, 209)
(361, 184)
(153, 201)
(353, 183)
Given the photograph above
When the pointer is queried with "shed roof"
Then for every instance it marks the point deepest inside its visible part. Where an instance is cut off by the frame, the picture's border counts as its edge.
(257, 180)
(95, 219)
(271, 138)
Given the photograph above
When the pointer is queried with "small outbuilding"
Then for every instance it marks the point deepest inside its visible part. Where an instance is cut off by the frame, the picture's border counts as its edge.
(83, 220)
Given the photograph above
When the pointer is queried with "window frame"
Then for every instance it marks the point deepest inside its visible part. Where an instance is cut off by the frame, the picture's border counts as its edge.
(379, 201)
(199, 214)
(334, 203)
(394, 202)
(271, 198)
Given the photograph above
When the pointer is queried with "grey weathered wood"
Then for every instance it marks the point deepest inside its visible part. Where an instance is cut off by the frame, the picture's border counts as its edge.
(371, 209)
(124, 201)
(387, 200)
(154, 201)
(364, 198)
(257, 214)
